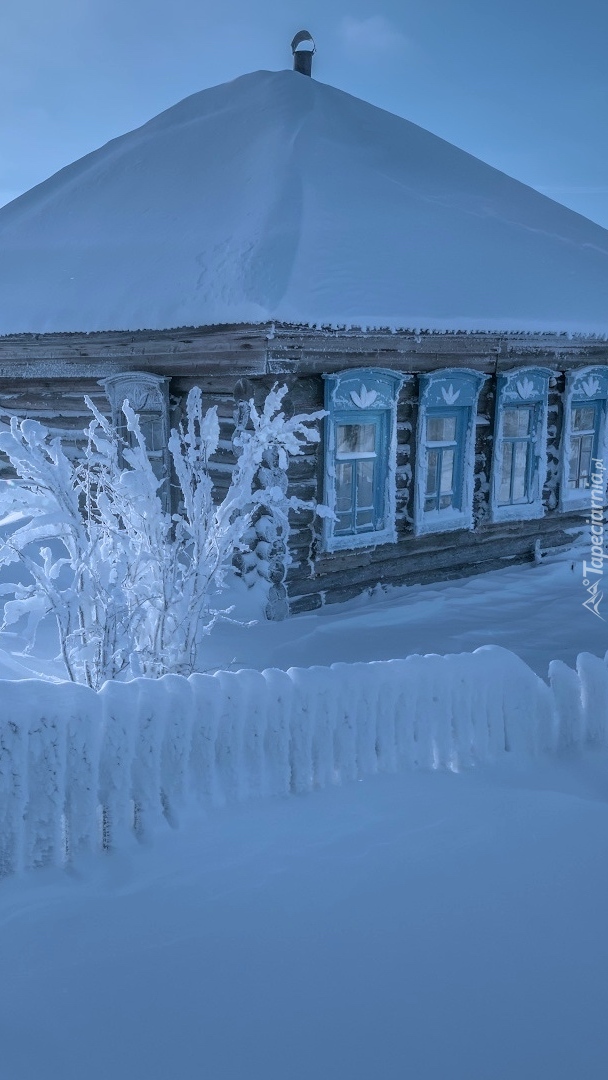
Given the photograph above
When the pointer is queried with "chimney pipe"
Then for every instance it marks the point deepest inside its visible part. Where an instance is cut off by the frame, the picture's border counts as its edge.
(302, 58)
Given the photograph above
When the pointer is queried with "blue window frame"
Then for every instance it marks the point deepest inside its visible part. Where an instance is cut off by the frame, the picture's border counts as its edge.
(519, 423)
(519, 461)
(444, 447)
(584, 434)
(446, 450)
(585, 417)
(360, 457)
(360, 446)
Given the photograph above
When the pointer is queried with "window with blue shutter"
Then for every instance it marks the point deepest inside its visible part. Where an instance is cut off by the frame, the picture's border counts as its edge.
(518, 445)
(584, 434)
(444, 446)
(360, 463)
(519, 461)
(446, 450)
(360, 453)
(585, 419)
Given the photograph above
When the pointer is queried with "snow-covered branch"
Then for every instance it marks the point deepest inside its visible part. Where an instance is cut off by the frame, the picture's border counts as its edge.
(132, 587)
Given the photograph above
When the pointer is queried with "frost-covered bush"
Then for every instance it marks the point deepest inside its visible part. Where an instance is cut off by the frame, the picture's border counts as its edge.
(131, 586)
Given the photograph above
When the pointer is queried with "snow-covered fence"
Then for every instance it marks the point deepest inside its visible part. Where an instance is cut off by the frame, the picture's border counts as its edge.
(81, 770)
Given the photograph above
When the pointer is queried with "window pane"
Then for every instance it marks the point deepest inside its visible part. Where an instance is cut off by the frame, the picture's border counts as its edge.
(509, 422)
(430, 504)
(365, 484)
(573, 463)
(441, 428)
(580, 461)
(365, 518)
(447, 472)
(356, 439)
(158, 468)
(431, 471)
(445, 501)
(152, 430)
(524, 422)
(517, 422)
(505, 476)
(583, 419)
(344, 488)
(343, 524)
(519, 471)
(585, 461)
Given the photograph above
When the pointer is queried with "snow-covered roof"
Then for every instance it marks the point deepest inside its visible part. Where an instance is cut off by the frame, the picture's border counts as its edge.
(277, 197)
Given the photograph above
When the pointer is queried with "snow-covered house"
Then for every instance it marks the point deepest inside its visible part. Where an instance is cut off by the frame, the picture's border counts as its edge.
(452, 321)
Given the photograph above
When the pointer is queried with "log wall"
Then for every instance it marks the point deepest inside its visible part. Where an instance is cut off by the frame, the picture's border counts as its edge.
(46, 377)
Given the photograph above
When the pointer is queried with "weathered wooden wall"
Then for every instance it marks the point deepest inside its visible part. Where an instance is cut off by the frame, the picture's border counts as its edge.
(58, 404)
(316, 577)
(46, 377)
(269, 349)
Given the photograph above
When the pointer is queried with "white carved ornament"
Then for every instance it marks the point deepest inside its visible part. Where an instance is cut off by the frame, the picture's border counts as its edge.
(450, 396)
(139, 396)
(365, 398)
(525, 388)
(591, 386)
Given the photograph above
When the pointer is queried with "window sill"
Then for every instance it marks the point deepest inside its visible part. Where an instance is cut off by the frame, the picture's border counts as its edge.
(518, 512)
(440, 524)
(359, 540)
(579, 502)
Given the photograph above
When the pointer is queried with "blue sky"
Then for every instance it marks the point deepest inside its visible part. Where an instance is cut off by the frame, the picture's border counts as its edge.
(523, 85)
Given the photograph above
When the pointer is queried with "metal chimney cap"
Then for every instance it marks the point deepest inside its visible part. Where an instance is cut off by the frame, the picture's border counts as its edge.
(301, 36)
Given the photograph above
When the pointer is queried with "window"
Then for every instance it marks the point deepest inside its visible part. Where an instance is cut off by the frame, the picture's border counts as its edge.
(519, 425)
(584, 434)
(584, 431)
(443, 460)
(519, 464)
(147, 396)
(360, 454)
(446, 450)
(358, 468)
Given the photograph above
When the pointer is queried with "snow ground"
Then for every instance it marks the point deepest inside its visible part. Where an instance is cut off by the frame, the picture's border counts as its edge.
(535, 611)
(437, 926)
(433, 926)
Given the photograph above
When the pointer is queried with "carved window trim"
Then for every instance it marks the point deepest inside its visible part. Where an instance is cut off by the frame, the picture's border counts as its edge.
(148, 395)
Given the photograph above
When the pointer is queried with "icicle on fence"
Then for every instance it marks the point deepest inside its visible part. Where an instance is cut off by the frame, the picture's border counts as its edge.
(82, 771)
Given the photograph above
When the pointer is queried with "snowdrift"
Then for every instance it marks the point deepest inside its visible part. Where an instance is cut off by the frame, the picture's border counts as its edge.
(81, 771)
(277, 197)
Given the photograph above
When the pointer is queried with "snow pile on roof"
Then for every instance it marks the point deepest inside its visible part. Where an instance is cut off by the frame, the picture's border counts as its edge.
(278, 197)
